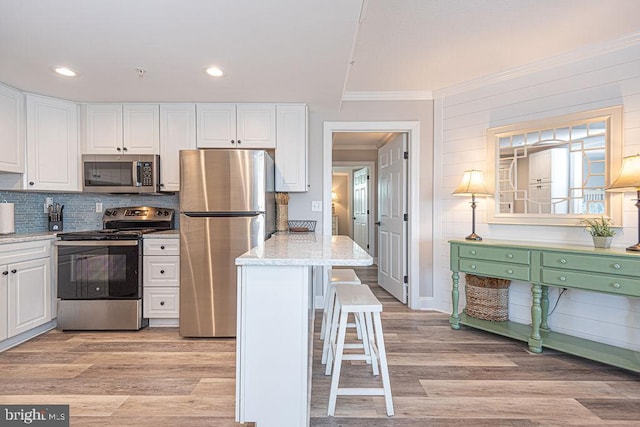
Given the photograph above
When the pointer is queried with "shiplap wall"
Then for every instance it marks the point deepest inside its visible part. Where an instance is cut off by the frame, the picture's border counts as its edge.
(608, 78)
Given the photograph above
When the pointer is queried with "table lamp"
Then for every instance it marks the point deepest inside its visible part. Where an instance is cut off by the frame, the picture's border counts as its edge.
(627, 181)
(472, 185)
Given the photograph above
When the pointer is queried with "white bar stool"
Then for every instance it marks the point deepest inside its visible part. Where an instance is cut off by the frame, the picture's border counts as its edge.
(360, 301)
(343, 276)
(334, 276)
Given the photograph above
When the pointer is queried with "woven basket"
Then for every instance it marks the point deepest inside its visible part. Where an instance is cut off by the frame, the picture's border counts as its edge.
(487, 298)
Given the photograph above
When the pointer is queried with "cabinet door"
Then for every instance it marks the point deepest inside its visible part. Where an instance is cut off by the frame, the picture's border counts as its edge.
(52, 144)
(4, 304)
(256, 126)
(11, 130)
(216, 126)
(29, 295)
(141, 127)
(291, 149)
(177, 132)
(103, 129)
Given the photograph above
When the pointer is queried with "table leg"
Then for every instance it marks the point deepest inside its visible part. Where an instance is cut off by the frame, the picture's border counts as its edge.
(535, 341)
(454, 320)
(544, 305)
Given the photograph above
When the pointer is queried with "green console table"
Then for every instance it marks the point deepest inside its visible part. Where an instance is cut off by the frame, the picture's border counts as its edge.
(611, 271)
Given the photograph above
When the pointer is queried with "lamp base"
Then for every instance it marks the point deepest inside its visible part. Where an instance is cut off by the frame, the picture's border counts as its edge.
(634, 248)
(473, 236)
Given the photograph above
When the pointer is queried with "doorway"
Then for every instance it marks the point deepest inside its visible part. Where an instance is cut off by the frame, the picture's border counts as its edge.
(353, 204)
(412, 129)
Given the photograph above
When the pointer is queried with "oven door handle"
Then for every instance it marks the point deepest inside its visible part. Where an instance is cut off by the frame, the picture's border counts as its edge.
(97, 243)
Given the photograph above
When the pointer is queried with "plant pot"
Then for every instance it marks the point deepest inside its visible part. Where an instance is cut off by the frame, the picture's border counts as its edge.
(601, 241)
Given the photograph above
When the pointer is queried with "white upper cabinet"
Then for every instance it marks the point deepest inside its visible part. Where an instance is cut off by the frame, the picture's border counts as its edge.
(291, 150)
(177, 132)
(236, 126)
(53, 153)
(122, 129)
(11, 130)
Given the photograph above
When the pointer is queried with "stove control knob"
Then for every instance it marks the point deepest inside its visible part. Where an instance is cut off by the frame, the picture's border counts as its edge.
(166, 213)
(158, 213)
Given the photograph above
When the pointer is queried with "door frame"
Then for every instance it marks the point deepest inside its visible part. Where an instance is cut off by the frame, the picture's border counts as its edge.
(372, 194)
(412, 128)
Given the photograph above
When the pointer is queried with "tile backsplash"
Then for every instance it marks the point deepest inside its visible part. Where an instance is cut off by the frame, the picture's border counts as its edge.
(79, 208)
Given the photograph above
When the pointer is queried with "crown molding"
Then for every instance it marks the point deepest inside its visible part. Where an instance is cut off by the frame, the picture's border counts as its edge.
(576, 55)
(387, 96)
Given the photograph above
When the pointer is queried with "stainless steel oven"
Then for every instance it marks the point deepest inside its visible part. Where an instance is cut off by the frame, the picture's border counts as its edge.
(100, 271)
(100, 284)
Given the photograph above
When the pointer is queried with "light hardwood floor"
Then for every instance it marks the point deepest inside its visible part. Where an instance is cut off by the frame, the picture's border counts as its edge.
(439, 377)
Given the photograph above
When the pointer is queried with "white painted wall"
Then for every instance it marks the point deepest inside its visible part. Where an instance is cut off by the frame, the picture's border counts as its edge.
(607, 78)
(383, 111)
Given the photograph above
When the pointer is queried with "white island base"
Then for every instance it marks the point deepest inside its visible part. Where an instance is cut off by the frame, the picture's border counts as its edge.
(275, 325)
(274, 345)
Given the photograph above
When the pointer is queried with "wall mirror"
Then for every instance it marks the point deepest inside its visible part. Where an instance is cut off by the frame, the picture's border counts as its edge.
(555, 171)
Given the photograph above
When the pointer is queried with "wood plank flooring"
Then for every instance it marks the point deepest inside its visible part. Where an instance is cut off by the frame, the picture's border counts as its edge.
(439, 377)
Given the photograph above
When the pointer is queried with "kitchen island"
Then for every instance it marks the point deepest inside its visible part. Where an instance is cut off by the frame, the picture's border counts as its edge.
(275, 324)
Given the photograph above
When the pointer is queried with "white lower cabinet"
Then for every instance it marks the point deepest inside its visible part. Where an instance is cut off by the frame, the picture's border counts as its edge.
(25, 287)
(161, 279)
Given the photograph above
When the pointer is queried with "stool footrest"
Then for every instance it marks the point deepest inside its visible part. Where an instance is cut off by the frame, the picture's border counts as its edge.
(353, 391)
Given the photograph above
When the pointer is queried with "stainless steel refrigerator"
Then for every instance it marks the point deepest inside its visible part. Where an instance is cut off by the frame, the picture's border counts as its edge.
(227, 206)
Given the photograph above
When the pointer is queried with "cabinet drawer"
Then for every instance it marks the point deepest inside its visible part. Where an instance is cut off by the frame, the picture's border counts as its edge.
(495, 269)
(161, 246)
(592, 282)
(24, 251)
(518, 256)
(596, 263)
(161, 270)
(161, 302)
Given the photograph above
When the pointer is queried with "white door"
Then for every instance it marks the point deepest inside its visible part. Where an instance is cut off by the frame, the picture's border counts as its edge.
(216, 125)
(141, 128)
(361, 208)
(29, 295)
(52, 144)
(177, 132)
(392, 206)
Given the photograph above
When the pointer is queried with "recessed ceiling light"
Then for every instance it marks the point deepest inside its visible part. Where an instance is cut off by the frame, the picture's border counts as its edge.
(68, 72)
(215, 71)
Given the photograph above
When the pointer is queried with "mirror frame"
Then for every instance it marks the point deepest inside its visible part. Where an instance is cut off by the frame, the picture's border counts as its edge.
(613, 201)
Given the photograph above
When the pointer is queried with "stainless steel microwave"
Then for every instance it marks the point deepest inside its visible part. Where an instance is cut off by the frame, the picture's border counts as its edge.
(126, 173)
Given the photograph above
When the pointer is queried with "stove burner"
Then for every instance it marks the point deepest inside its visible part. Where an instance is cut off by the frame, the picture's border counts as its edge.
(128, 223)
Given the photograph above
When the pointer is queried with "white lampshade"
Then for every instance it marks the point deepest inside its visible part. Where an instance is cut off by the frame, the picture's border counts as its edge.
(472, 184)
(334, 197)
(629, 178)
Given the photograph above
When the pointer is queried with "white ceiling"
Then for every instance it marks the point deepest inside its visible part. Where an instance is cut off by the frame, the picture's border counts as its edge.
(311, 51)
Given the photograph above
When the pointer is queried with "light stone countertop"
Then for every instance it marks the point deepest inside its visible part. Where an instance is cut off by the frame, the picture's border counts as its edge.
(26, 237)
(306, 249)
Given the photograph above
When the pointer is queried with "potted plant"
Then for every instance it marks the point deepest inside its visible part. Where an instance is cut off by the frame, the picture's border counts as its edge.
(601, 230)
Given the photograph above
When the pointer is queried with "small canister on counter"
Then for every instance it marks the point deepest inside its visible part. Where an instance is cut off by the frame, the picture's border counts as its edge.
(7, 225)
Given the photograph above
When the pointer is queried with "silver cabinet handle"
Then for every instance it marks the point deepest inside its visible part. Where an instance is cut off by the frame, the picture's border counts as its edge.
(509, 255)
(472, 252)
(563, 261)
(563, 279)
(473, 266)
(616, 266)
(510, 271)
(616, 285)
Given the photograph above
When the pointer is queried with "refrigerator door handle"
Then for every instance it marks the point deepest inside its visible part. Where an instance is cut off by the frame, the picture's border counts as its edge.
(222, 214)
